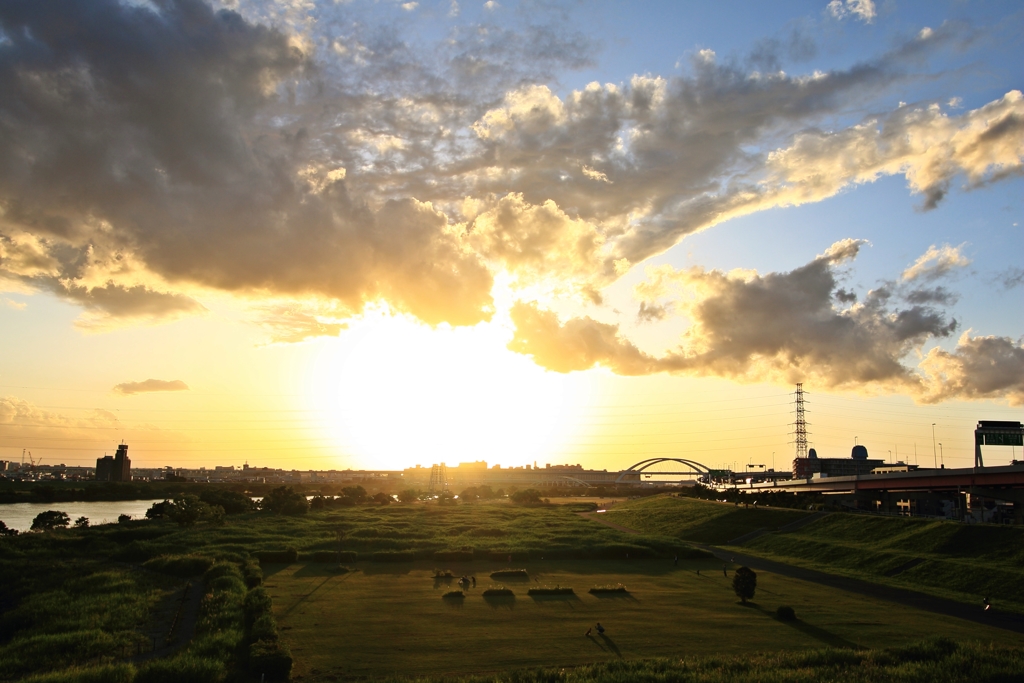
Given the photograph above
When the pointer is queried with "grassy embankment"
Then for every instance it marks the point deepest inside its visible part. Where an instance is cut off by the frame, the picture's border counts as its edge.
(954, 560)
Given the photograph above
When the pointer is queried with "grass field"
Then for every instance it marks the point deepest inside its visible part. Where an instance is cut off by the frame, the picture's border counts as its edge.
(696, 520)
(392, 620)
(954, 560)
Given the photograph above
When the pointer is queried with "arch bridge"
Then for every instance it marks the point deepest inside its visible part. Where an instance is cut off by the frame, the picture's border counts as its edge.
(693, 466)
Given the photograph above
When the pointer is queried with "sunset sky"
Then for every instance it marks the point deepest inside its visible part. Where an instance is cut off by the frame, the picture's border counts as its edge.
(329, 234)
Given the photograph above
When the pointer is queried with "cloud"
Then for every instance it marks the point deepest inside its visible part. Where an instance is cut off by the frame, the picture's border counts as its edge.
(11, 303)
(1010, 278)
(935, 263)
(793, 326)
(293, 322)
(978, 368)
(864, 10)
(150, 385)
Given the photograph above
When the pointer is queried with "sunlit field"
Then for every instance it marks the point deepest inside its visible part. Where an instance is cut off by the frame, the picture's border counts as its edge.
(383, 619)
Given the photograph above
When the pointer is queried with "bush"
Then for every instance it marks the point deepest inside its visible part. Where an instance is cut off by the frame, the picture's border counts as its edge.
(499, 592)
(270, 658)
(286, 556)
(453, 595)
(185, 667)
(232, 502)
(264, 628)
(252, 574)
(785, 613)
(188, 510)
(108, 673)
(285, 501)
(183, 566)
(609, 589)
(744, 582)
(257, 604)
(221, 569)
(527, 497)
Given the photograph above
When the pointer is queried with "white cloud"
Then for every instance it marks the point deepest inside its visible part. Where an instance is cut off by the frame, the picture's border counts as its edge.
(863, 10)
(936, 262)
(150, 386)
(410, 6)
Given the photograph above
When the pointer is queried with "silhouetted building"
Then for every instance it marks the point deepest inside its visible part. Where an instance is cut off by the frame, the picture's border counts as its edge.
(857, 463)
(114, 468)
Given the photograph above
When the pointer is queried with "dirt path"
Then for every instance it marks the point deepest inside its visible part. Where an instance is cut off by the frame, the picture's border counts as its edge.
(901, 596)
(176, 623)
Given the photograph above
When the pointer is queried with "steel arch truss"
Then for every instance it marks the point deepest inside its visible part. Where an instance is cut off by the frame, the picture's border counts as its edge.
(693, 465)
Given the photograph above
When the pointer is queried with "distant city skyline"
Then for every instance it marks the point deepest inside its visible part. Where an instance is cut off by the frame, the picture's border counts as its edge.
(368, 235)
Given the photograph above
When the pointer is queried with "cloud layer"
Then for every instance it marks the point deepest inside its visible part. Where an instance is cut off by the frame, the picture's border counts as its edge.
(305, 155)
(150, 385)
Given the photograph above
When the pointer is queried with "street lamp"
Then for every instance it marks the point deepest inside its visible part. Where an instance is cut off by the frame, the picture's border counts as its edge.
(935, 464)
(890, 455)
(941, 461)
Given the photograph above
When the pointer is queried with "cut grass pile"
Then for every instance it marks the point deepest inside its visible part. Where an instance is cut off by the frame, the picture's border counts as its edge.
(454, 595)
(617, 588)
(700, 521)
(498, 592)
(550, 590)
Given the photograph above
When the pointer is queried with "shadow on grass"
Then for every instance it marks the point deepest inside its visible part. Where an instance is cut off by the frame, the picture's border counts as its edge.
(443, 581)
(622, 597)
(827, 637)
(568, 598)
(305, 597)
(454, 603)
(320, 569)
(375, 568)
(271, 569)
(611, 644)
(500, 601)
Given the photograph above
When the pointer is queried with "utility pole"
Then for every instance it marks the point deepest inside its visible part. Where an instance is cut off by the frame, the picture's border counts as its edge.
(941, 460)
(935, 462)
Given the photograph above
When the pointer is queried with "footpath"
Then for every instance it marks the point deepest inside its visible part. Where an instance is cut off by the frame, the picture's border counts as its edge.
(901, 596)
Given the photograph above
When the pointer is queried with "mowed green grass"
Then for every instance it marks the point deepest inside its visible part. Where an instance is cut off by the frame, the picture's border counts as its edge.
(380, 621)
(959, 561)
(697, 520)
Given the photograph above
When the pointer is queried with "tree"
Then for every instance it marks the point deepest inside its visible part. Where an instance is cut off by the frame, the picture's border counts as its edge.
(382, 498)
(409, 496)
(286, 501)
(188, 510)
(81, 522)
(526, 497)
(233, 502)
(49, 520)
(6, 531)
(744, 582)
(356, 493)
(160, 510)
(123, 518)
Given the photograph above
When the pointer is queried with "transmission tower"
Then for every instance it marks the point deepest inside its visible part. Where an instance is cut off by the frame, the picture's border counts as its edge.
(801, 422)
(438, 478)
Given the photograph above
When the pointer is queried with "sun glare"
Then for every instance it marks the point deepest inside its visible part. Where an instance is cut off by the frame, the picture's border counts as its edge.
(397, 393)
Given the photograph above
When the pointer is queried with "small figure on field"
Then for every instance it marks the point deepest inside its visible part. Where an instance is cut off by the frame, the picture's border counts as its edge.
(987, 604)
(744, 582)
(587, 634)
(474, 581)
(698, 572)
(676, 560)
(600, 629)
(724, 572)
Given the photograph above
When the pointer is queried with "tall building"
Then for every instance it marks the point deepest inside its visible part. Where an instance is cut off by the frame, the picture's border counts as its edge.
(115, 468)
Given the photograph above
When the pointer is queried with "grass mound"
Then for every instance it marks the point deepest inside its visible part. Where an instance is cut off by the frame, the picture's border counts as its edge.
(510, 574)
(498, 592)
(618, 588)
(453, 595)
(550, 590)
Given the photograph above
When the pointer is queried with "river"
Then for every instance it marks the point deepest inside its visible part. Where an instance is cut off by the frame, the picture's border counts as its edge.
(20, 515)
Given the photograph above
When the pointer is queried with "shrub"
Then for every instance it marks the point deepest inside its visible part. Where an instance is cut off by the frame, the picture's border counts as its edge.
(252, 574)
(526, 497)
(179, 565)
(270, 658)
(257, 603)
(184, 667)
(81, 522)
(232, 584)
(108, 673)
(550, 590)
(744, 582)
(619, 588)
(408, 495)
(510, 574)
(188, 510)
(159, 510)
(498, 592)
(286, 556)
(286, 501)
(7, 531)
(232, 502)
(453, 595)
(264, 628)
(785, 613)
(221, 569)
(121, 518)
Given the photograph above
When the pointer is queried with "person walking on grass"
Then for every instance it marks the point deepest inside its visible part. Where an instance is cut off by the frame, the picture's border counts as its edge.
(676, 560)
(600, 629)
(724, 572)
